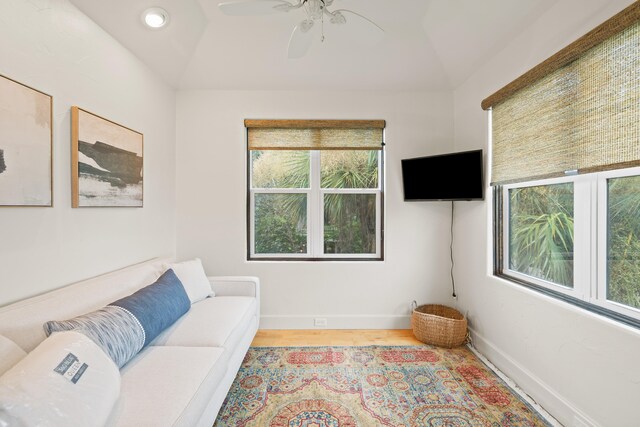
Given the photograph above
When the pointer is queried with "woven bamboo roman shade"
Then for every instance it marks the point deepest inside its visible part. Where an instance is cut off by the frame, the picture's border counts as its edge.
(315, 134)
(577, 111)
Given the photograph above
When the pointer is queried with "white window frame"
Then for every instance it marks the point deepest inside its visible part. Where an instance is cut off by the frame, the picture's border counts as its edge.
(315, 213)
(253, 193)
(590, 239)
(581, 240)
(600, 291)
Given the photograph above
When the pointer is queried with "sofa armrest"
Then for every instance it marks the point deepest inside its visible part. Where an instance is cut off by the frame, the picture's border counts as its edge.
(242, 286)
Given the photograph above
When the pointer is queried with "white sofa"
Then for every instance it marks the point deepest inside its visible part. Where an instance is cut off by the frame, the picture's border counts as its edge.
(183, 376)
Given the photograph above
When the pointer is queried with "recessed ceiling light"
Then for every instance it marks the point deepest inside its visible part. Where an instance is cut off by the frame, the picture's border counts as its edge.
(155, 17)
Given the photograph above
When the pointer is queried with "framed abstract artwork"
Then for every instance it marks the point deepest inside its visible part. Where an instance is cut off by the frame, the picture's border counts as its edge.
(26, 140)
(106, 162)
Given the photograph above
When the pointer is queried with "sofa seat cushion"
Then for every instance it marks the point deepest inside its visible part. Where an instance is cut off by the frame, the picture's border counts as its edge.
(168, 386)
(213, 322)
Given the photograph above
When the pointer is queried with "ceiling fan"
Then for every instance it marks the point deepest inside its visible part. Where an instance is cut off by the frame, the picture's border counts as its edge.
(315, 11)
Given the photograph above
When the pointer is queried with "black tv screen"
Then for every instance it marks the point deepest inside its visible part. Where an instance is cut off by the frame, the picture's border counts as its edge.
(453, 176)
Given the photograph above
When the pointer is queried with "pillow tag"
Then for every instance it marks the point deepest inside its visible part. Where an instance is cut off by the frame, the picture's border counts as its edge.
(71, 368)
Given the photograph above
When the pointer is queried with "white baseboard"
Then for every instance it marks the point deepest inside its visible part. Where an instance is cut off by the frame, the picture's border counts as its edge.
(336, 322)
(537, 389)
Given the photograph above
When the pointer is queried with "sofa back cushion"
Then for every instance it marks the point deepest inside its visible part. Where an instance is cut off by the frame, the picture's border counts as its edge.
(193, 278)
(10, 354)
(22, 321)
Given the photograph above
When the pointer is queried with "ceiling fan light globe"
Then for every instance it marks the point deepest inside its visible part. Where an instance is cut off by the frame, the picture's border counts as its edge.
(306, 25)
(338, 18)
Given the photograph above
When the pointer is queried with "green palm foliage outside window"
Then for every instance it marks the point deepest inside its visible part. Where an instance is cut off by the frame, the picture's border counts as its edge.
(623, 241)
(349, 219)
(541, 232)
(281, 219)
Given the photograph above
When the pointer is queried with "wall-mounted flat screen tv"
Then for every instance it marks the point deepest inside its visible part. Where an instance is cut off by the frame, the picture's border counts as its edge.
(453, 176)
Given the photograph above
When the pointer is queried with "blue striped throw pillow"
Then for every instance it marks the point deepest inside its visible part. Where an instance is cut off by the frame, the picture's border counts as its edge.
(126, 326)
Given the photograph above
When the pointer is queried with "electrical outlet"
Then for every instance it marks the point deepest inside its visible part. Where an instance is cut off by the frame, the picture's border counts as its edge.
(320, 322)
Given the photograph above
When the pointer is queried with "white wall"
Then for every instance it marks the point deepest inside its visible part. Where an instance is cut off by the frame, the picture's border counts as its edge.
(580, 367)
(211, 212)
(51, 46)
(572, 362)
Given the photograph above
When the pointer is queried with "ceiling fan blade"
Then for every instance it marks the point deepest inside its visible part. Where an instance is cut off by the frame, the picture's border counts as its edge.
(366, 29)
(301, 39)
(255, 7)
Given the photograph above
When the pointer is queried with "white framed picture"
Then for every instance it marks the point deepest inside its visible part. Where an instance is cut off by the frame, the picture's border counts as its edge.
(26, 140)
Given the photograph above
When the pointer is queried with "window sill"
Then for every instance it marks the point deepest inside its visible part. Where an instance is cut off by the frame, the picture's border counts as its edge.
(313, 260)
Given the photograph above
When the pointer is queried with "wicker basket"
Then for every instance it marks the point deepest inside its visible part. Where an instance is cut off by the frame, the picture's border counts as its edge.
(439, 325)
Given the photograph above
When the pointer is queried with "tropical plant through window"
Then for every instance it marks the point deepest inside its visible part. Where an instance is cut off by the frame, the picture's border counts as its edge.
(280, 218)
(277, 231)
(541, 236)
(541, 232)
(623, 241)
(349, 219)
(347, 181)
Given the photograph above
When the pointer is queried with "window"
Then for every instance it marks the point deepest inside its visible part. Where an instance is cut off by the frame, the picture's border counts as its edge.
(540, 232)
(307, 201)
(547, 228)
(620, 257)
(565, 151)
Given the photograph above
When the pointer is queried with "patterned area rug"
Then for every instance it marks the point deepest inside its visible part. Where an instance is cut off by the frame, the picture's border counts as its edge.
(407, 386)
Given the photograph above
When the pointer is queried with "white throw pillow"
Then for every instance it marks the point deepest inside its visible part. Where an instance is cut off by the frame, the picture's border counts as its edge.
(193, 278)
(10, 354)
(66, 380)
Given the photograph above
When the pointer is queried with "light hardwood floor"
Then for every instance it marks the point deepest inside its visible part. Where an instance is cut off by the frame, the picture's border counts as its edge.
(341, 337)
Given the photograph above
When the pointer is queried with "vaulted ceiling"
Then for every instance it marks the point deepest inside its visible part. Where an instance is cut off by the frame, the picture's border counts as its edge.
(428, 44)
